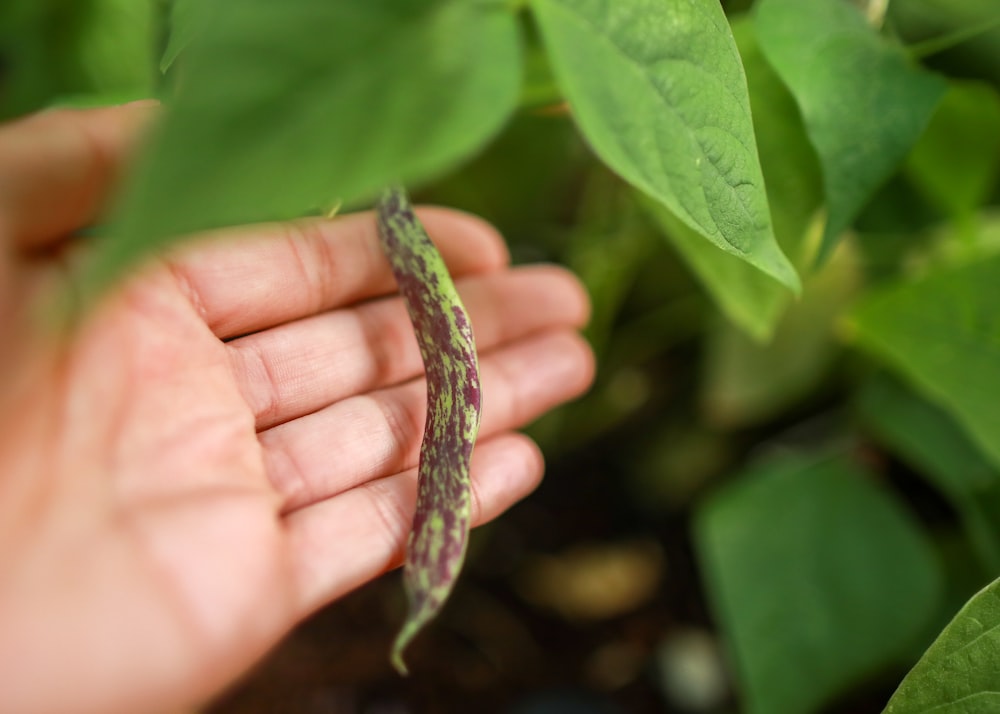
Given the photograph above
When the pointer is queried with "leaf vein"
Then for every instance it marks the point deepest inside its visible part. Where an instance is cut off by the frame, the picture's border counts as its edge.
(641, 68)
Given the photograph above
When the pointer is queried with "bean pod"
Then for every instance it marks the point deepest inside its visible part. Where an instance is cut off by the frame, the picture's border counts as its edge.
(440, 532)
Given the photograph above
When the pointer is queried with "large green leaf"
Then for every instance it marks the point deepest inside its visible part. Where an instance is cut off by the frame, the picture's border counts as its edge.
(288, 105)
(817, 578)
(753, 300)
(930, 441)
(960, 672)
(942, 333)
(658, 91)
(864, 103)
(791, 170)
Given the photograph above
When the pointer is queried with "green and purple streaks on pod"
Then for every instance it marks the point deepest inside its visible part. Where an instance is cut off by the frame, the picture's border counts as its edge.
(440, 530)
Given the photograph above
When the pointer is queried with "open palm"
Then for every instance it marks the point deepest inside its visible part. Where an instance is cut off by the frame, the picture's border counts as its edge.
(229, 441)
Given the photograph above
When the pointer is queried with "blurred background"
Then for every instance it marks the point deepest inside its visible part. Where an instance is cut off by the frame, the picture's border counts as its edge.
(589, 597)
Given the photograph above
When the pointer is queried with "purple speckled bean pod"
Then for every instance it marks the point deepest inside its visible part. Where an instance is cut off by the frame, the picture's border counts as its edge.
(440, 532)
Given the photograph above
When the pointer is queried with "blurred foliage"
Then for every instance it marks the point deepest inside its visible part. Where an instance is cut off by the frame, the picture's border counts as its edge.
(863, 102)
(69, 51)
(925, 436)
(941, 333)
(720, 396)
(956, 161)
(684, 429)
(418, 87)
(809, 565)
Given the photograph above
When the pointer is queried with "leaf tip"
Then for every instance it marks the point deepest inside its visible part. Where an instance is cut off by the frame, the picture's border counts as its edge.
(781, 269)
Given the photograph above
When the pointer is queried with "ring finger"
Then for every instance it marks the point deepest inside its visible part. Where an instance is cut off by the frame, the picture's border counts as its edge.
(297, 368)
(376, 434)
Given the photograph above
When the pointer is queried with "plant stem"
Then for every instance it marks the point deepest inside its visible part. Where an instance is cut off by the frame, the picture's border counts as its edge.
(926, 48)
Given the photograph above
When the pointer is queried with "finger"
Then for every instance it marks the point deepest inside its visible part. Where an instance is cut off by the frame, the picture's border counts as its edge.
(364, 530)
(280, 272)
(369, 436)
(297, 368)
(57, 168)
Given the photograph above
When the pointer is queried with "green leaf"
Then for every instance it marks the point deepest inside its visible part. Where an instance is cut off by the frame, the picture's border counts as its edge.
(960, 672)
(817, 577)
(791, 170)
(864, 103)
(658, 91)
(942, 333)
(288, 105)
(440, 533)
(930, 441)
(957, 160)
(749, 298)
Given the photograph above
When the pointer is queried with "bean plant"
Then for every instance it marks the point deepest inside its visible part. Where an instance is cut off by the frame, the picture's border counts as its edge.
(824, 170)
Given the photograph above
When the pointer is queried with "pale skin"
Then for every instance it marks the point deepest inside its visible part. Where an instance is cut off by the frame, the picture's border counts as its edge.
(228, 441)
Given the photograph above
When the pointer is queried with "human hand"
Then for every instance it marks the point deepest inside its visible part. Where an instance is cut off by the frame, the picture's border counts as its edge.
(228, 441)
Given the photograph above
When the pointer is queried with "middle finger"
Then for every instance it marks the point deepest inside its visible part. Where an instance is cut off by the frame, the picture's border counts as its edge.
(297, 368)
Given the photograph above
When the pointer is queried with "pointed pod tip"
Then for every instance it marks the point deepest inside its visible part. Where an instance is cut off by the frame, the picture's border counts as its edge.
(397, 662)
(406, 634)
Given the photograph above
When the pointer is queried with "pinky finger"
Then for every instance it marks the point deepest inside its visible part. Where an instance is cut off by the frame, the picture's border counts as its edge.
(343, 542)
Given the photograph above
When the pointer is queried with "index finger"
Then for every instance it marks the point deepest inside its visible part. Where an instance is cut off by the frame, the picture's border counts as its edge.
(248, 279)
(58, 167)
